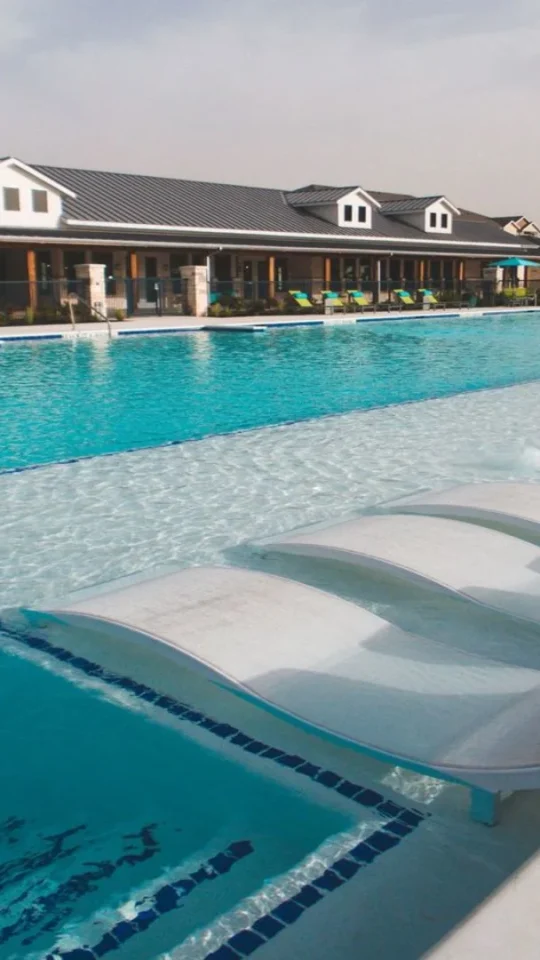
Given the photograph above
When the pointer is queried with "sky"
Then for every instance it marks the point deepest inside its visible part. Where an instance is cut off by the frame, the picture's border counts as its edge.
(419, 96)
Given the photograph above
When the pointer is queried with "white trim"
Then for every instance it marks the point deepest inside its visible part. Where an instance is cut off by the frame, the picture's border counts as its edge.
(352, 193)
(452, 208)
(110, 225)
(13, 162)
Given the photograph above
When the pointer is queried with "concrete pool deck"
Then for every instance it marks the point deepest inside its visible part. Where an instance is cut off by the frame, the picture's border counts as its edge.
(179, 324)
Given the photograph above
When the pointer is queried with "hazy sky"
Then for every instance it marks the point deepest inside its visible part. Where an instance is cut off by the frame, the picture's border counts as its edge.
(423, 96)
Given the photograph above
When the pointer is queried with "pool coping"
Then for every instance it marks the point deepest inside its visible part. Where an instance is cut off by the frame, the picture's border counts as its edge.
(165, 326)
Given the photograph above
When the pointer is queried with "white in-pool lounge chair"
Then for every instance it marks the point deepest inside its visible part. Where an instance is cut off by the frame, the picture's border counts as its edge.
(482, 565)
(323, 662)
(511, 507)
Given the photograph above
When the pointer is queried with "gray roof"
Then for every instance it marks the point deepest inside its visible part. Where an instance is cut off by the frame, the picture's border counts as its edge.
(504, 220)
(312, 197)
(408, 205)
(135, 199)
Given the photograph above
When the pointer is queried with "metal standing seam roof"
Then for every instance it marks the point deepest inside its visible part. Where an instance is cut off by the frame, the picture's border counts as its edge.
(409, 205)
(312, 198)
(125, 198)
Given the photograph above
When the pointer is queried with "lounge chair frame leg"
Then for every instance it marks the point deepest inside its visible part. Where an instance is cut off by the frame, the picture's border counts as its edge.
(484, 807)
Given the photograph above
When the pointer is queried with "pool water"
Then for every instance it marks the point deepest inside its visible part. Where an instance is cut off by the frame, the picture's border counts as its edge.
(103, 806)
(103, 803)
(59, 401)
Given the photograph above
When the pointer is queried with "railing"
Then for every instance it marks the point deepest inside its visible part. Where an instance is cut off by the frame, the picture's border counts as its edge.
(52, 301)
(49, 301)
(233, 298)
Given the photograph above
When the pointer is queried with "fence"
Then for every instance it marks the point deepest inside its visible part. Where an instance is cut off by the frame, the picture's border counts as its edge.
(48, 301)
(51, 301)
(237, 297)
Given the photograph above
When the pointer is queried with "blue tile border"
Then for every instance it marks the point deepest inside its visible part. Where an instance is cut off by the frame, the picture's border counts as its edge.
(265, 928)
(152, 907)
(364, 797)
(21, 337)
(157, 331)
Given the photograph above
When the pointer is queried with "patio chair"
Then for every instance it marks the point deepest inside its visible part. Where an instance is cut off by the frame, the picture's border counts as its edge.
(301, 299)
(404, 298)
(429, 297)
(332, 299)
(359, 299)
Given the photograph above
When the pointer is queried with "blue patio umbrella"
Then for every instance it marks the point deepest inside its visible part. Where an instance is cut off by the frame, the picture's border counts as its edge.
(515, 262)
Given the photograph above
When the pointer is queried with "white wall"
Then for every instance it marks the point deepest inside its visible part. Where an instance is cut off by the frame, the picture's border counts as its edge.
(439, 207)
(335, 212)
(421, 220)
(355, 200)
(25, 217)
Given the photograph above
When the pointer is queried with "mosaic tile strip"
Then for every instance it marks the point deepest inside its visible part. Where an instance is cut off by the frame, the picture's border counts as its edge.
(152, 907)
(183, 711)
(247, 941)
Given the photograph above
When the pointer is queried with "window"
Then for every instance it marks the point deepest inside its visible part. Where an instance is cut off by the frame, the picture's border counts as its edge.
(433, 219)
(12, 199)
(444, 221)
(40, 201)
(347, 213)
(362, 214)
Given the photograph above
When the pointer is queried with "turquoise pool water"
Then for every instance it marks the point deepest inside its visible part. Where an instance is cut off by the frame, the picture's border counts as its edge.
(100, 808)
(59, 400)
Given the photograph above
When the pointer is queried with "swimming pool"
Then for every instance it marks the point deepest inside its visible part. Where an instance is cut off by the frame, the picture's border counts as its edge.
(113, 760)
(154, 818)
(63, 400)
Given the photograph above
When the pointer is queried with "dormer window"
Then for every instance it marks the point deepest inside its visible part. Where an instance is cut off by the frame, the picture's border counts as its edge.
(12, 199)
(40, 201)
(362, 214)
(444, 221)
(347, 213)
(433, 220)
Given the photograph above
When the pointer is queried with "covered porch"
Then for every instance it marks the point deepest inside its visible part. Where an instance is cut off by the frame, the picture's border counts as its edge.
(36, 283)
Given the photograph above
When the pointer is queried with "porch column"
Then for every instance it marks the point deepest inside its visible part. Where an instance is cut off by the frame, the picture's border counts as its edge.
(133, 291)
(377, 289)
(271, 277)
(421, 272)
(31, 270)
(327, 272)
(461, 273)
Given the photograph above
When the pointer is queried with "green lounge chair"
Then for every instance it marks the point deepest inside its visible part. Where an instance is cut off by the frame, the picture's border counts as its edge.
(301, 299)
(334, 299)
(358, 298)
(404, 298)
(429, 297)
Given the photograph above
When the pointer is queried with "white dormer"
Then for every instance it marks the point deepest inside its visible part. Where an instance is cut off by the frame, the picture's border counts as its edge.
(350, 207)
(29, 200)
(439, 216)
(355, 210)
(428, 214)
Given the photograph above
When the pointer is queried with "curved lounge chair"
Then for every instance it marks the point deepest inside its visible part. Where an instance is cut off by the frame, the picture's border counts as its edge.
(511, 507)
(326, 663)
(482, 565)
